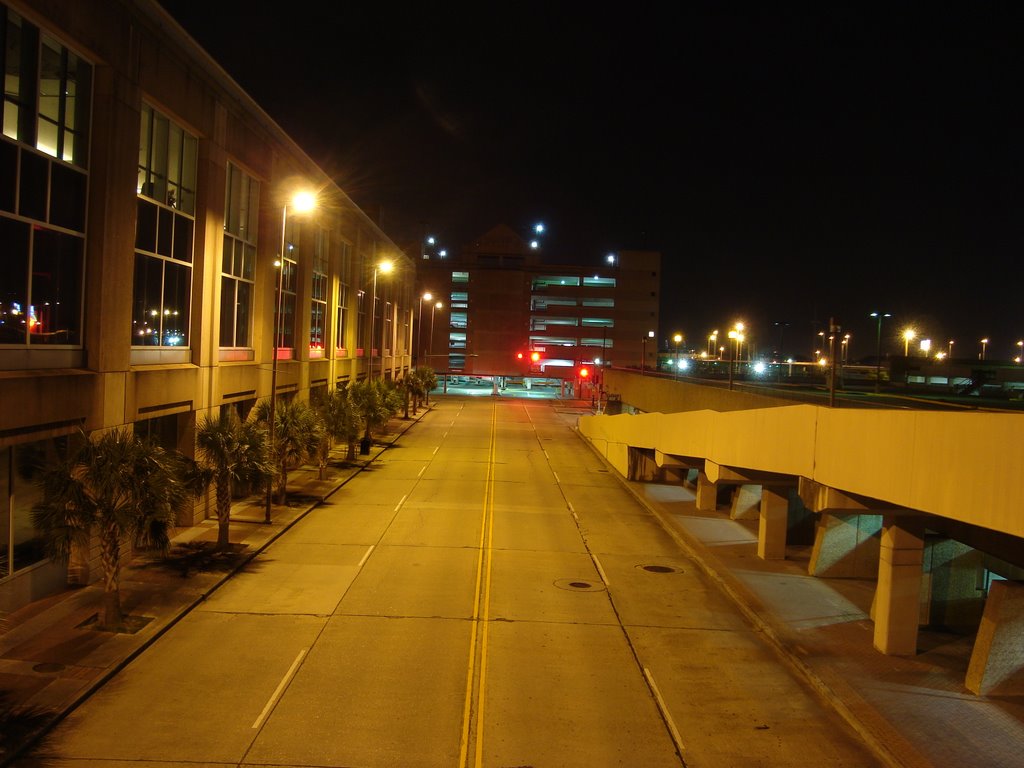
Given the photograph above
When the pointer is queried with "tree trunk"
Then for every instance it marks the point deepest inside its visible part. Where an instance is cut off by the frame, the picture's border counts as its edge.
(351, 455)
(282, 487)
(111, 617)
(223, 511)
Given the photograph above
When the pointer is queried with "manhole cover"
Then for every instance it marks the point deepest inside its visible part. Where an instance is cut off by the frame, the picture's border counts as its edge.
(579, 585)
(48, 666)
(658, 568)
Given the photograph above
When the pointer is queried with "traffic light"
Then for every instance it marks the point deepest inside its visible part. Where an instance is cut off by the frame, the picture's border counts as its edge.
(583, 372)
(535, 357)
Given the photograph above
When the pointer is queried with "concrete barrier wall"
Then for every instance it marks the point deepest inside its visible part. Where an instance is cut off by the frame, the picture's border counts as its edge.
(963, 466)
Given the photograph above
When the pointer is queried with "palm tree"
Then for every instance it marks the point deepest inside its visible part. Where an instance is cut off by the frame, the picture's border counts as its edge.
(376, 402)
(297, 434)
(427, 381)
(341, 422)
(120, 487)
(234, 451)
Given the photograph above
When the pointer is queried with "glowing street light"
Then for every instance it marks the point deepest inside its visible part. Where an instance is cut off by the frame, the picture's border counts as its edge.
(950, 348)
(712, 342)
(677, 339)
(1020, 352)
(984, 344)
(909, 334)
(301, 202)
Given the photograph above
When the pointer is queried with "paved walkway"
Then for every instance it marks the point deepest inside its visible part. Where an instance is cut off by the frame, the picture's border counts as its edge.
(914, 711)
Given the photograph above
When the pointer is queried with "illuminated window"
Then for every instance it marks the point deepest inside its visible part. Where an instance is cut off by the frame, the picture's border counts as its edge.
(164, 228)
(47, 91)
(238, 262)
(599, 282)
(318, 300)
(543, 281)
(460, 277)
(42, 188)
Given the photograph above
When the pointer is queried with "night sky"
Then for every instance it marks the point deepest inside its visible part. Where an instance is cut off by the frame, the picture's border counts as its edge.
(790, 166)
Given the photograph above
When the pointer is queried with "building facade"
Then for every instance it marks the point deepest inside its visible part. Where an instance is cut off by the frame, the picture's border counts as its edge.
(155, 268)
(506, 312)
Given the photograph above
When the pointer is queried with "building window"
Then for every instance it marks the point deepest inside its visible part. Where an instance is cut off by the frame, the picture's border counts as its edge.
(164, 230)
(318, 303)
(540, 282)
(459, 300)
(599, 282)
(284, 312)
(47, 91)
(342, 316)
(386, 341)
(42, 196)
(460, 277)
(21, 467)
(238, 266)
(361, 319)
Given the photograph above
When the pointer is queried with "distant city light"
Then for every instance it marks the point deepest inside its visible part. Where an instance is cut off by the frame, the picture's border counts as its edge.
(759, 367)
(535, 244)
(610, 258)
(538, 228)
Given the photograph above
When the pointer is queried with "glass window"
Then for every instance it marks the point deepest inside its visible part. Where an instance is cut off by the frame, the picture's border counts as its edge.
(361, 319)
(543, 281)
(64, 83)
(284, 313)
(318, 296)
(599, 282)
(459, 300)
(460, 277)
(238, 262)
(161, 302)
(20, 471)
(339, 341)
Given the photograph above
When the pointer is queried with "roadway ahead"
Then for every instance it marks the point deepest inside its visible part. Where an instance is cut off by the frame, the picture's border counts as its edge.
(486, 594)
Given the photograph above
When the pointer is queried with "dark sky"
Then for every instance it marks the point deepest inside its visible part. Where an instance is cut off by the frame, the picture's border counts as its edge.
(790, 166)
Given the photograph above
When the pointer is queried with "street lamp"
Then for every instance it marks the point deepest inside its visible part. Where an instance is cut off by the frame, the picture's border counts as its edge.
(712, 342)
(1020, 352)
(643, 348)
(984, 343)
(437, 305)
(385, 267)
(950, 349)
(736, 334)
(419, 326)
(301, 202)
(908, 335)
(677, 338)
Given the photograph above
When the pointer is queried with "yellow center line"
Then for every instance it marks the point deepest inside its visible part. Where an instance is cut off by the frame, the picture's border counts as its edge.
(481, 600)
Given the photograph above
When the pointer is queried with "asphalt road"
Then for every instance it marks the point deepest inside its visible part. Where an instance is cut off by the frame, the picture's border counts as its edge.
(487, 594)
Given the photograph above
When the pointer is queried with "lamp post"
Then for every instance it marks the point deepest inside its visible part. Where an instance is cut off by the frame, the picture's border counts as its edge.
(984, 343)
(419, 326)
(437, 305)
(712, 342)
(677, 338)
(908, 336)
(878, 349)
(643, 351)
(301, 202)
(384, 266)
(736, 334)
(1020, 352)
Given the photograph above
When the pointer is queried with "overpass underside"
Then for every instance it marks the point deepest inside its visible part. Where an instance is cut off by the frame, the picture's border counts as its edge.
(926, 504)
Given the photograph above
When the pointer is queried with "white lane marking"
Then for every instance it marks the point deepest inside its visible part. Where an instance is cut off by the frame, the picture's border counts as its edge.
(664, 711)
(280, 688)
(435, 451)
(600, 570)
(401, 501)
(365, 558)
(571, 509)
(556, 478)
(422, 470)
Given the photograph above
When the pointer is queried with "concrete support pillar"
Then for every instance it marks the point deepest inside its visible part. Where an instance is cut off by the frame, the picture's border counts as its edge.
(998, 654)
(953, 576)
(845, 546)
(898, 594)
(746, 502)
(773, 525)
(707, 494)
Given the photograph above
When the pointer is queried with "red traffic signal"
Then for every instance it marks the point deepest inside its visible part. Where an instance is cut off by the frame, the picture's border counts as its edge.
(519, 355)
(535, 356)
(583, 372)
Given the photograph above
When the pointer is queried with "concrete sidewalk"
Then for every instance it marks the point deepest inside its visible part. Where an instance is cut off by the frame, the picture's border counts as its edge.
(50, 658)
